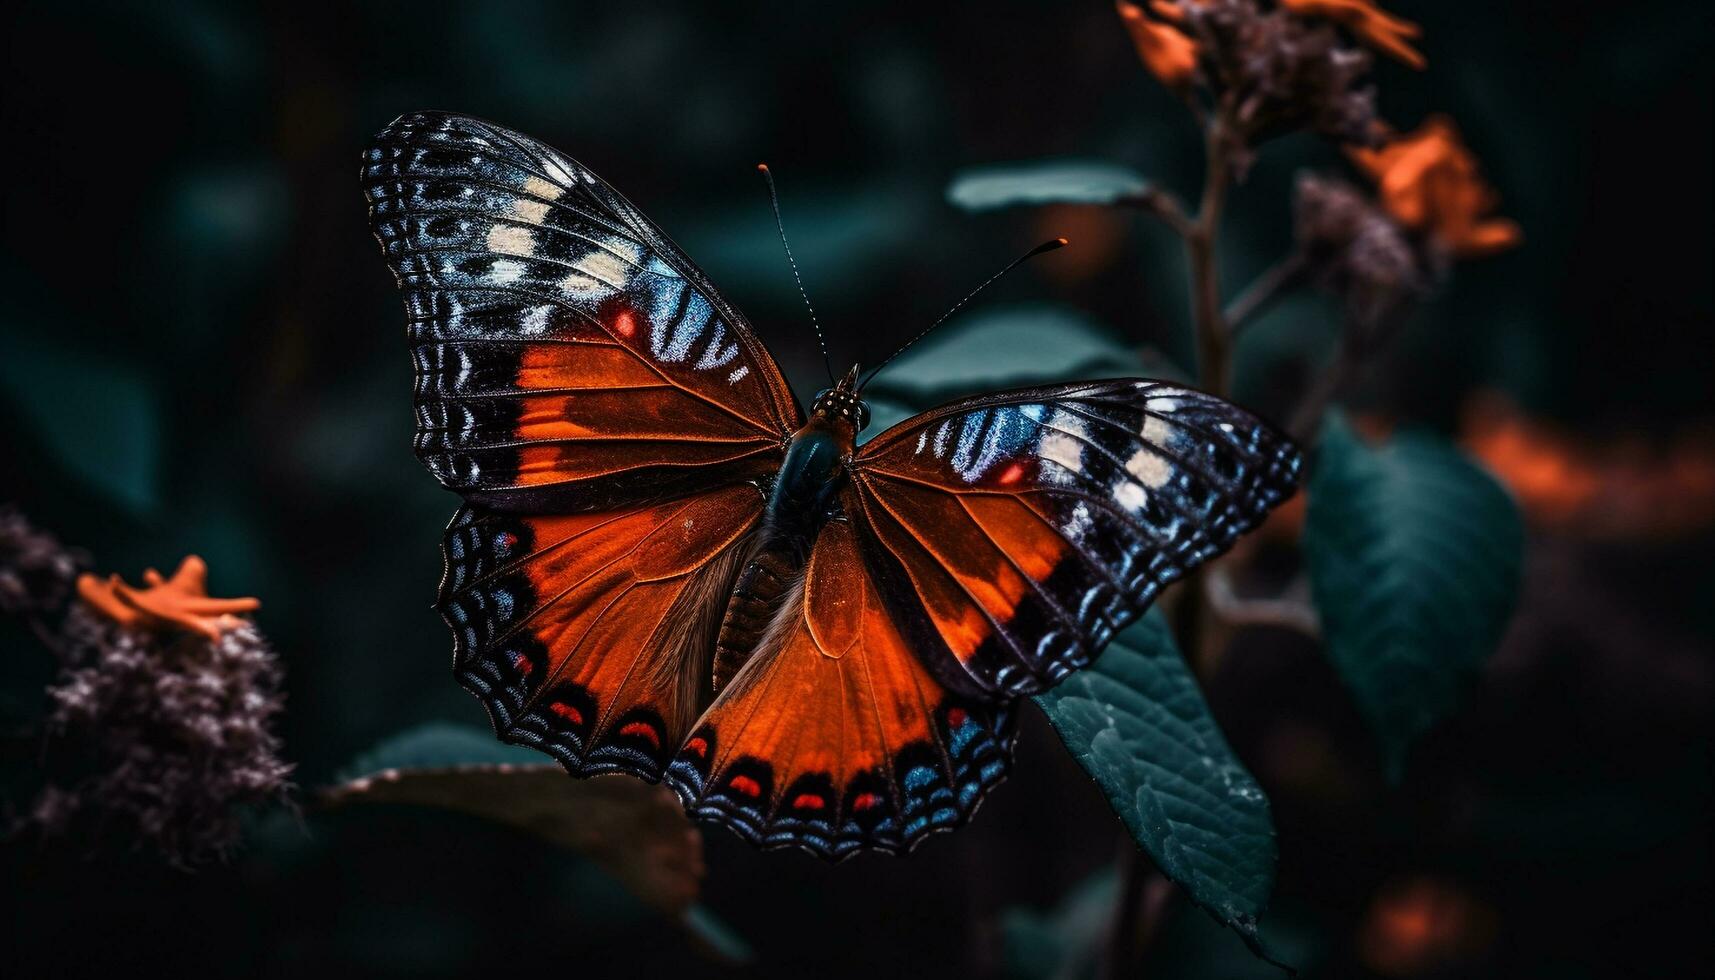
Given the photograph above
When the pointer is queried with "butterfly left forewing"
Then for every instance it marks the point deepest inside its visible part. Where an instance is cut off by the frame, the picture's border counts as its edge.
(835, 737)
(568, 356)
(1017, 532)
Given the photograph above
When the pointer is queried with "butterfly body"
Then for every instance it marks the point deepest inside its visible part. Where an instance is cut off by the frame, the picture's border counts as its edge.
(803, 497)
(665, 567)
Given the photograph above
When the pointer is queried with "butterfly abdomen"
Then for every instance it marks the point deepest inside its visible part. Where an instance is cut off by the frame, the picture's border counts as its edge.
(765, 579)
(798, 504)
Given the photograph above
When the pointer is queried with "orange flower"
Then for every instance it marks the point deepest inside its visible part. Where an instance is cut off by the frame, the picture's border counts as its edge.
(180, 602)
(1428, 181)
(1376, 28)
(1168, 54)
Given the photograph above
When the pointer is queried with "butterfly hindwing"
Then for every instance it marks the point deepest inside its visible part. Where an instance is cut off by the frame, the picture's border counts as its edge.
(835, 737)
(567, 355)
(1019, 531)
(588, 635)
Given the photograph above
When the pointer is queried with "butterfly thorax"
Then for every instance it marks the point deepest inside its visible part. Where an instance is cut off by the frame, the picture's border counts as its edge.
(802, 499)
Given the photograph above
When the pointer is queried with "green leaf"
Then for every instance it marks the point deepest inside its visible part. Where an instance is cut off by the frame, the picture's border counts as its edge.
(1037, 182)
(1065, 942)
(1414, 556)
(99, 418)
(635, 832)
(1136, 721)
(1003, 347)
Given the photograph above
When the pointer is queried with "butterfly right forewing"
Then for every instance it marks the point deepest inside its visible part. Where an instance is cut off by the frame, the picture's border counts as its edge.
(1018, 531)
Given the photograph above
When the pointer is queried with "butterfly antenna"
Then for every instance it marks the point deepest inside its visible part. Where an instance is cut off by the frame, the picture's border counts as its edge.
(774, 202)
(1047, 246)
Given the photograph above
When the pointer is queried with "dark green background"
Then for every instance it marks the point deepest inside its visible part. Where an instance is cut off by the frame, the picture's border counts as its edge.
(202, 352)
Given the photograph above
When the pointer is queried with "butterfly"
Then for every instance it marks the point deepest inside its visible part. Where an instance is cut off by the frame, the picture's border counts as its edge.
(664, 567)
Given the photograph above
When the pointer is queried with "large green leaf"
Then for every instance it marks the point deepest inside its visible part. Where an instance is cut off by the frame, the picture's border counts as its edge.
(100, 418)
(635, 832)
(1036, 182)
(1136, 721)
(1414, 555)
(1006, 346)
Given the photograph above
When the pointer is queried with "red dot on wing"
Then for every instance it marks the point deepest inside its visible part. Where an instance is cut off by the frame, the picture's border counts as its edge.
(567, 712)
(1012, 474)
(643, 730)
(625, 324)
(956, 717)
(698, 747)
(522, 664)
(866, 801)
(746, 785)
(807, 801)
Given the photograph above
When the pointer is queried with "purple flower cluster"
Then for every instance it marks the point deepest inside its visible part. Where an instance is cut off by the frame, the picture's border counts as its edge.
(1355, 249)
(174, 731)
(155, 738)
(1280, 73)
(37, 573)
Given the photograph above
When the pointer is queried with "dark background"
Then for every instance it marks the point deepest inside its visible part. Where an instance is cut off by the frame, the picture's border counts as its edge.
(201, 351)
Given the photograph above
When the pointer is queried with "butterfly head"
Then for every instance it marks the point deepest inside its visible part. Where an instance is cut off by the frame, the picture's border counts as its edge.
(841, 404)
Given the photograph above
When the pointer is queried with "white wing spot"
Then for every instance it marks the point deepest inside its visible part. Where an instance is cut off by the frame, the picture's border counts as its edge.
(606, 267)
(556, 172)
(1150, 468)
(530, 210)
(511, 240)
(1159, 432)
(535, 322)
(1130, 496)
(1061, 449)
(737, 374)
(543, 189)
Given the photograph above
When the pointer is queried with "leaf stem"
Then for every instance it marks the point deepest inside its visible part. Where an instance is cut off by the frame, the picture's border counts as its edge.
(1264, 290)
(1287, 611)
(1307, 418)
(1163, 205)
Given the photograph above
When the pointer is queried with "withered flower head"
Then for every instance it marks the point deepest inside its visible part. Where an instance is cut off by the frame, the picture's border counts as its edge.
(36, 571)
(1164, 49)
(1354, 249)
(1380, 30)
(1276, 66)
(1429, 181)
(161, 719)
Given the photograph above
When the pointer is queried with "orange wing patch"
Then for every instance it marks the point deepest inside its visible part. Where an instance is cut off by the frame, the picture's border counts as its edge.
(837, 738)
(586, 635)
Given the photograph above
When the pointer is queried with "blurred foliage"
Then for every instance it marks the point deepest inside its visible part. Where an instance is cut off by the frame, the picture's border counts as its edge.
(1044, 182)
(1004, 347)
(1065, 941)
(1414, 556)
(635, 831)
(98, 419)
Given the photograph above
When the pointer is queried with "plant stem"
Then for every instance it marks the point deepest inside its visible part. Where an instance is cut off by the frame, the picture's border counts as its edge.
(1213, 341)
(1126, 940)
(1122, 947)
